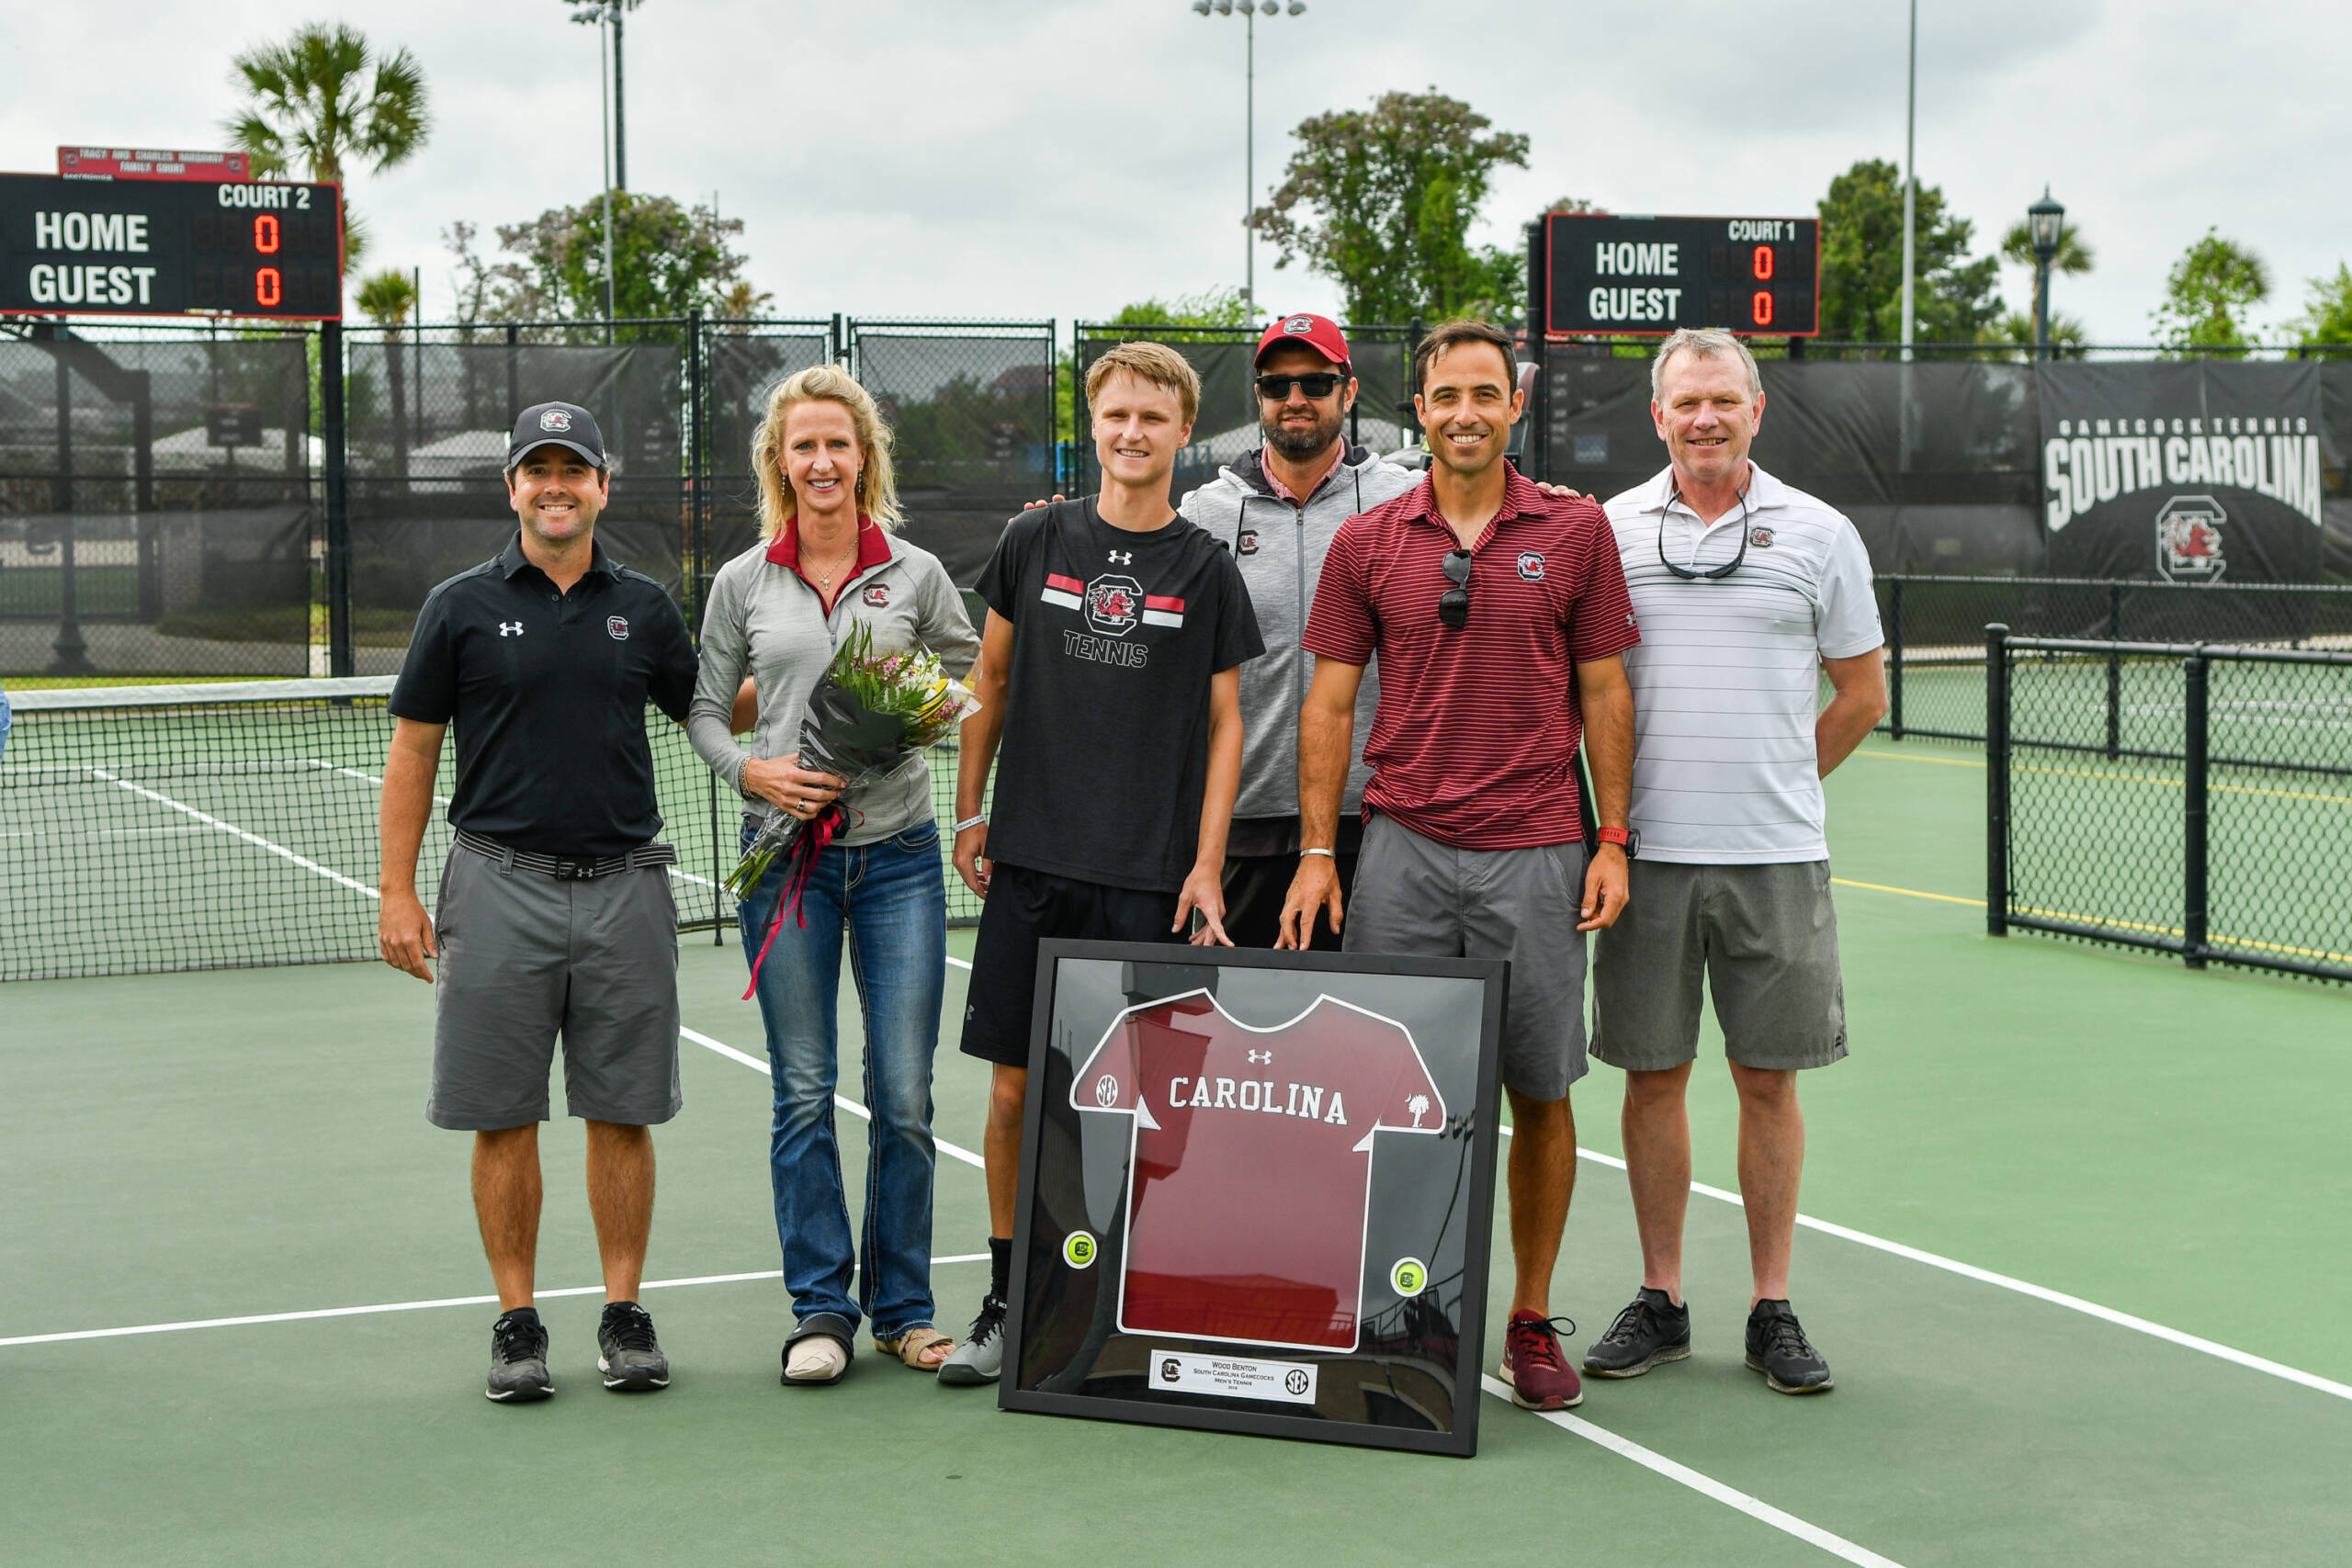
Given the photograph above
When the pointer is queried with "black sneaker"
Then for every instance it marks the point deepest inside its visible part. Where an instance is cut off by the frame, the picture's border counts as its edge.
(518, 1358)
(1778, 1349)
(626, 1352)
(980, 1359)
(1651, 1330)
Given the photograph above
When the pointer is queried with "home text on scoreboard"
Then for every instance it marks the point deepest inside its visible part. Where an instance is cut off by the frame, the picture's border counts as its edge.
(169, 248)
(1648, 276)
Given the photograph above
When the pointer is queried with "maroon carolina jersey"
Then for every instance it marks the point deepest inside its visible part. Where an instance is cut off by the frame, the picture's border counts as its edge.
(1252, 1163)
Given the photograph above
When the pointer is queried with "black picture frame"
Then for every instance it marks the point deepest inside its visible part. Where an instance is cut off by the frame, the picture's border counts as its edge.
(1408, 1376)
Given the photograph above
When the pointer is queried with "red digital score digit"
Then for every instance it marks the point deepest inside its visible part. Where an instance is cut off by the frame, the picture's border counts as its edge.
(266, 235)
(1763, 261)
(1761, 307)
(269, 286)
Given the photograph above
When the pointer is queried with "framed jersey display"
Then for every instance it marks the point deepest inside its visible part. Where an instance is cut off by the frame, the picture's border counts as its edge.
(1256, 1192)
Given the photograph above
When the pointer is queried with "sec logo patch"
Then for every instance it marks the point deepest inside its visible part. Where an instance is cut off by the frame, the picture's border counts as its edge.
(617, 627)
(1530, 566)
(878, 595)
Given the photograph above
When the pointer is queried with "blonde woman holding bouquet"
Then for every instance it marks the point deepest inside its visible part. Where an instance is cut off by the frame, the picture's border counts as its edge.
(830, 569)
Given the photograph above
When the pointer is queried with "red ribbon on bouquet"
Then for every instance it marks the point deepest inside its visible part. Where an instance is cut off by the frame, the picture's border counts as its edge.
(799, 861)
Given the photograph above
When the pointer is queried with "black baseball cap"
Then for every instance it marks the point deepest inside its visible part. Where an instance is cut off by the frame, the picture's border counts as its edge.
(567, 425)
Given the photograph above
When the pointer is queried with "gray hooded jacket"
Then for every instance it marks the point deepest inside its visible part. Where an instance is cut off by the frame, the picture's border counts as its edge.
(1280, 549)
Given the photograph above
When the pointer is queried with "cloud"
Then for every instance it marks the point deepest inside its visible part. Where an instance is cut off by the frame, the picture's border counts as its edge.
(1059, 158)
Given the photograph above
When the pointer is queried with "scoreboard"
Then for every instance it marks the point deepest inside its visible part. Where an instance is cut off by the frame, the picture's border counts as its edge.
(1648, 276)
(167, 248)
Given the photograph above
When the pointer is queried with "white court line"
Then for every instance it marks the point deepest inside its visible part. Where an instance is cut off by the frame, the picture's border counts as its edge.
(409, 1306)
(442, 800)
(235, 832)
(853, 1107)
(2026, 1288)
(1706, 1486)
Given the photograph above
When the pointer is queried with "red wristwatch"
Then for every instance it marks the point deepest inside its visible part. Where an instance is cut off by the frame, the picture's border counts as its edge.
(1625, 839)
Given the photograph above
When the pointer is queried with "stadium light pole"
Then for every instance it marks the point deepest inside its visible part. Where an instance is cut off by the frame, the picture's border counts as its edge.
(2045, 225)
(1910, 180)
(1249, 130)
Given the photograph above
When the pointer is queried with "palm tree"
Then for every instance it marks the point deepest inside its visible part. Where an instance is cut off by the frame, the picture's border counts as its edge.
(386, 299)
(2075, 257)
(324, 96)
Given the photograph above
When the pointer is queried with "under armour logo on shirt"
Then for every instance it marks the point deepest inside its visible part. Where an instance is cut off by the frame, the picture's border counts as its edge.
(510, 628)
(1122, 557)
(1261, 1056)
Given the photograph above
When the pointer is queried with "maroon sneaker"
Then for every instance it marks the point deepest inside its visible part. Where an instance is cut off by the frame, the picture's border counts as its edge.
(1540, 1377)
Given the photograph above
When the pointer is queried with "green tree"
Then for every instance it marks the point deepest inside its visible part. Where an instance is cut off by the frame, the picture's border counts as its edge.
(2327, 311)
(2206, 295)
(1210, 308)
(668, 259)
(1381, 201)
(1954, 298)
(2067, 333)
(386, 297)
(323, 96)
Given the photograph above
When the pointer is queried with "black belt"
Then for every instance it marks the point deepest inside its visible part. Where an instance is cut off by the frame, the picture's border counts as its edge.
(563, 868)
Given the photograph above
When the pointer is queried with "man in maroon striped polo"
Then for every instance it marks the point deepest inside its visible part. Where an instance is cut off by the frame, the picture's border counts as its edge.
(1500, 619)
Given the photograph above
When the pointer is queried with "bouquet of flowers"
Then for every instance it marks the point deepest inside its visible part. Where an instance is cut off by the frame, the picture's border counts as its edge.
(867, 718)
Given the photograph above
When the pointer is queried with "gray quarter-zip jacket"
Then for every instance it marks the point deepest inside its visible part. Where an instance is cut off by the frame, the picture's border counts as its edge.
(1280, 548)
(764, 620)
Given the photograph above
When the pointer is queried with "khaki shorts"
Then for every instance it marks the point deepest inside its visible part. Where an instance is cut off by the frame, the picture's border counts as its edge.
(1424, 899)
(1766, 937)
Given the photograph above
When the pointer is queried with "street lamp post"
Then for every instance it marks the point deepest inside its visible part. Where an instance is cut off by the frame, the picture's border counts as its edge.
(2045, 224)
(1249, 12)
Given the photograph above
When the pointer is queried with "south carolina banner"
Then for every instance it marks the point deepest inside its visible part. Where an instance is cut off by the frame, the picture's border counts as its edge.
(2190, 472)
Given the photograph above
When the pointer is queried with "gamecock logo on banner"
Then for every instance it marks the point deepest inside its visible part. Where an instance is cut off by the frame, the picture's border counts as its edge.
(2188, 539)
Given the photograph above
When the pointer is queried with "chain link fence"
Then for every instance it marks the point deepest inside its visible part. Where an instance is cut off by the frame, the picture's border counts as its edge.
(157, 503)
(1934, 638)
(2186, 799)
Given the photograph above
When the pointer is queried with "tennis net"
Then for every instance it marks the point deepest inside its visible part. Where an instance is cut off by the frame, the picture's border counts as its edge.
(163, 828)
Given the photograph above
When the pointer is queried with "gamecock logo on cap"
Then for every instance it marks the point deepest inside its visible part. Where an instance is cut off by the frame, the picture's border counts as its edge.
(554, 419)
(1299, 324)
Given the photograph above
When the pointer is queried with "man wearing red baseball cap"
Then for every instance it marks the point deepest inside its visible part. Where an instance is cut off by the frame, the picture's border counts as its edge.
(1276, 509)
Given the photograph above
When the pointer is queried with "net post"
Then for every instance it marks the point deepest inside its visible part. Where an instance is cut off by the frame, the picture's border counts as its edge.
(2114, 671)
(1535, 448)
(2196, 671)
(341, 661)
(1894, 651)
(1996, 779)
(697, 541)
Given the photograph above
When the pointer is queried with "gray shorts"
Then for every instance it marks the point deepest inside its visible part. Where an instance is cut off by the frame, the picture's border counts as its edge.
(1766, 938)
(1418, 897)
(525, 957)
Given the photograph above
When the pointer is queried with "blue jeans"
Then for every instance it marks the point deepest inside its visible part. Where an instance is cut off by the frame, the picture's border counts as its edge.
(891, 899)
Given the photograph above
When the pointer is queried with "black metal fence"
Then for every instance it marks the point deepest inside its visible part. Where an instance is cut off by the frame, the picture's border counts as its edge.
(156, 502)
(2178, 797)
(1935, 638)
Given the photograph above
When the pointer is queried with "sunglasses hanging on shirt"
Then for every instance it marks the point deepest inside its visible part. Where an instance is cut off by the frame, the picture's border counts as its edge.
(1712, 573)
(1454, 604)
(1316, 383)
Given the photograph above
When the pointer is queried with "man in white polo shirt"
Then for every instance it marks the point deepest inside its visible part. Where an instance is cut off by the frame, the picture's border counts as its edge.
(1745, 591)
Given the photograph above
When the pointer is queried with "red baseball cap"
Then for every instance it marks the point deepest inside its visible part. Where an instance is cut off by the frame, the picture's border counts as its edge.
(1320, 333)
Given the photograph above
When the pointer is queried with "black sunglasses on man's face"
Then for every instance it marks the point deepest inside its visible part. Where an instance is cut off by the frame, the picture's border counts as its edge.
(1316, 383)
(1454, 604)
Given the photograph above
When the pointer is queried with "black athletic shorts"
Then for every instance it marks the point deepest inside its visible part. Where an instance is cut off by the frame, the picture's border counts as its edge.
(1022, 908)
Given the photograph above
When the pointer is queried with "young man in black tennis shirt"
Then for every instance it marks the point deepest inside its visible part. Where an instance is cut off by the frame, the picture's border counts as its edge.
(1109, 691)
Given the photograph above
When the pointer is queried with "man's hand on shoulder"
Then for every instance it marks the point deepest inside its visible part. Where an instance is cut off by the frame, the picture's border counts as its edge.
(1562, 492)
(1033, 505)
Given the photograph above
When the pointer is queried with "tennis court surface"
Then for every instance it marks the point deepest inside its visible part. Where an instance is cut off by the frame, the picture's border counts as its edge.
(2080, 1255)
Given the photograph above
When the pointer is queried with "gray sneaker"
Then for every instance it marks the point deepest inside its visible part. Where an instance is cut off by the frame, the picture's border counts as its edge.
(980, 1359)
(1652, 1330)
(627, 1353)
(518, 1358)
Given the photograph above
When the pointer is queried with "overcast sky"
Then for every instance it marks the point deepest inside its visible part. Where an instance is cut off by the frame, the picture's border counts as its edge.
(1026, 159)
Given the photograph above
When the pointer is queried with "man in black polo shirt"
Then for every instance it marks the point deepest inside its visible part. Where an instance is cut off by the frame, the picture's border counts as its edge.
(555, 912)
